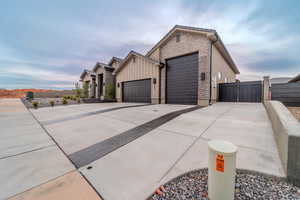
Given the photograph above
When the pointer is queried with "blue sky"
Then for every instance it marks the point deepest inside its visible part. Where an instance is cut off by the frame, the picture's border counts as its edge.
(47, 44)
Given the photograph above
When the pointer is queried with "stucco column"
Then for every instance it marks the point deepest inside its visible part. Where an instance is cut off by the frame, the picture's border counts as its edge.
(266, 85)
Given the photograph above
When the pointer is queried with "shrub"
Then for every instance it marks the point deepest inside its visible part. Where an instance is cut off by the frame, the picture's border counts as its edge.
(78, 92)
(35, 104)
(85, 89)
(52, 103)
(78, 100)
(110, 91)
(65, 101)
(74, 98)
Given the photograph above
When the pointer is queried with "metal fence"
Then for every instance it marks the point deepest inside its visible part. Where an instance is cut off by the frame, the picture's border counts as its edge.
(287, 93)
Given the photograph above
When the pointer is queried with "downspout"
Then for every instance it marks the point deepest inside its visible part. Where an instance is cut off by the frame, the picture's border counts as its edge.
(210, 70)
(159, 82)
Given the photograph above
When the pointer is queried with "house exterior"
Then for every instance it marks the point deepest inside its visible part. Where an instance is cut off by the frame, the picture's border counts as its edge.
(184, 67)
(295, 79)
(104, 79)
(89, 78)
(101, 79)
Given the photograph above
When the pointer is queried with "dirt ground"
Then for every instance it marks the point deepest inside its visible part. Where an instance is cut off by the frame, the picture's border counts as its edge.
(295, 111)
(18, 93)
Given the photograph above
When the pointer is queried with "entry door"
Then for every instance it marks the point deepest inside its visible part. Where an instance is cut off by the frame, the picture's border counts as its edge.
(182, 79)
(100, 85)
(138, 91)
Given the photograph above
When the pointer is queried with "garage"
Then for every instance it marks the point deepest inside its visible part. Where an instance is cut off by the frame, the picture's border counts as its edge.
(138, 91)
(182, 79)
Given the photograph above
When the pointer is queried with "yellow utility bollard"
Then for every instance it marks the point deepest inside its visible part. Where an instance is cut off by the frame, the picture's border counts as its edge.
(221, 170)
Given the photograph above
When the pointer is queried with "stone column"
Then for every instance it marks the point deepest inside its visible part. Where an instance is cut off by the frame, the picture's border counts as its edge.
(266, 90)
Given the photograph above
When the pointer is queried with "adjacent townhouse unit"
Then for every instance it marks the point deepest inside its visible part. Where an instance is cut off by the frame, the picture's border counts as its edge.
(184, 67)
(101, 79)
(88, 78)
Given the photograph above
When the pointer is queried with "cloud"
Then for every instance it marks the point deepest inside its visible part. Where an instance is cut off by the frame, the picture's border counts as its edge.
(56, 40)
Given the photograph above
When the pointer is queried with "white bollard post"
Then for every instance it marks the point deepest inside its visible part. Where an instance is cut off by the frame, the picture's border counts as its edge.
(221, 170)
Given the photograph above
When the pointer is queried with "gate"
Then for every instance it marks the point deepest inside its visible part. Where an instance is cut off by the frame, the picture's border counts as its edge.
(250, 91)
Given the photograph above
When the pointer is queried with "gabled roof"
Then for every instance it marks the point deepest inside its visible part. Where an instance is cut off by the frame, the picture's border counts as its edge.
(295, 79)
(210, 33)
(114, 59)
(85, 72)
(130, 55)
(105, 66)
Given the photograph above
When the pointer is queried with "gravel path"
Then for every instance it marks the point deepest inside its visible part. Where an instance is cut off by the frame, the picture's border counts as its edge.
(249, 185)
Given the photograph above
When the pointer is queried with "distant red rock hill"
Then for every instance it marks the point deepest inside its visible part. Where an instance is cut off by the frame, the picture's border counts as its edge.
(18, 93)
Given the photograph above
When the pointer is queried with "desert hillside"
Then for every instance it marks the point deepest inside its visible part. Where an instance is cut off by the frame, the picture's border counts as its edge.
(18, 93)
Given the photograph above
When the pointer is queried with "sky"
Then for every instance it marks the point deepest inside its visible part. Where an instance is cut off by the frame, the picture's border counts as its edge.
(47, 44)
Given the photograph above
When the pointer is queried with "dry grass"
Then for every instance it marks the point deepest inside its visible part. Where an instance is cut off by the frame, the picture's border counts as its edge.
(295, 111)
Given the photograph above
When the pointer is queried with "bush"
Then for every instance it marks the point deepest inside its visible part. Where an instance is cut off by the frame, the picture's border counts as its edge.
(74, 98)
(78, 92)
(110, 91)
(65, 101)
(52, 103)
(85, 89)
(35, 104)
(78, 100)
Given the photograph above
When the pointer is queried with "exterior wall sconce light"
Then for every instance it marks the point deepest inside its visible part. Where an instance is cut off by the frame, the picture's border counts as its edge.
(154, 81)
(118, 85)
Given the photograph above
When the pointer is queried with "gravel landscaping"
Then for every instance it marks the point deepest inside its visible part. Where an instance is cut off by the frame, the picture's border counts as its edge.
(45, 102)
(249, 185)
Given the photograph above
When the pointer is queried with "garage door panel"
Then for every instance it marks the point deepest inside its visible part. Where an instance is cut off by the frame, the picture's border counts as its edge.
(138, 91)
(182, 79)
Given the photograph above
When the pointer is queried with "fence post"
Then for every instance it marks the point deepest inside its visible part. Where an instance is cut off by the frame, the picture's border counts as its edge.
(266, 90)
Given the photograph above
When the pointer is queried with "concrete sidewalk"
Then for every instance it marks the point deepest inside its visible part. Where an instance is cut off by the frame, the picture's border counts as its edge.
(28, 156)
(134, 171)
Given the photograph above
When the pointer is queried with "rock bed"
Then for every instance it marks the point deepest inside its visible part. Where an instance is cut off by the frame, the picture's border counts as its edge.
(249, 185)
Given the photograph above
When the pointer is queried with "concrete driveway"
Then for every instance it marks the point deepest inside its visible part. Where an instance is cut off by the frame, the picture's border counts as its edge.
(126, 151)
(137, 169)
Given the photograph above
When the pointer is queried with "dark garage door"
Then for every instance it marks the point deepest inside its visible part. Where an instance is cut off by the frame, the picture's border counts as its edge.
(250, 91)
(137, 91)
(182, 79)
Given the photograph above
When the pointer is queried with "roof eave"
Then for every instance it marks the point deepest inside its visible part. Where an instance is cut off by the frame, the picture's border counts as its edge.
(129, 55)
(295, 79)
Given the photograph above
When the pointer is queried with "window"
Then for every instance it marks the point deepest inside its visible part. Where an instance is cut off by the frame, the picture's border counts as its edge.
(219, 75)
(178, 37)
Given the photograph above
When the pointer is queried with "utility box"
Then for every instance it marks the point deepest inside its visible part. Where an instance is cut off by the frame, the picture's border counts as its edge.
(29, 95)
(221, 170)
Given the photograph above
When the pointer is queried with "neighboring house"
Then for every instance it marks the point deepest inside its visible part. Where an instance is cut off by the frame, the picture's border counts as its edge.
(115, 62)
(184, 67)
(104, 78)
(280, 80)
(88, 77)
(100, 78)
(295, 79)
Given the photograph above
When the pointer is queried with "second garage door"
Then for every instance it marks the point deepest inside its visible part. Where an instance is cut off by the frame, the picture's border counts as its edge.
(137, 91)
(182, 79)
